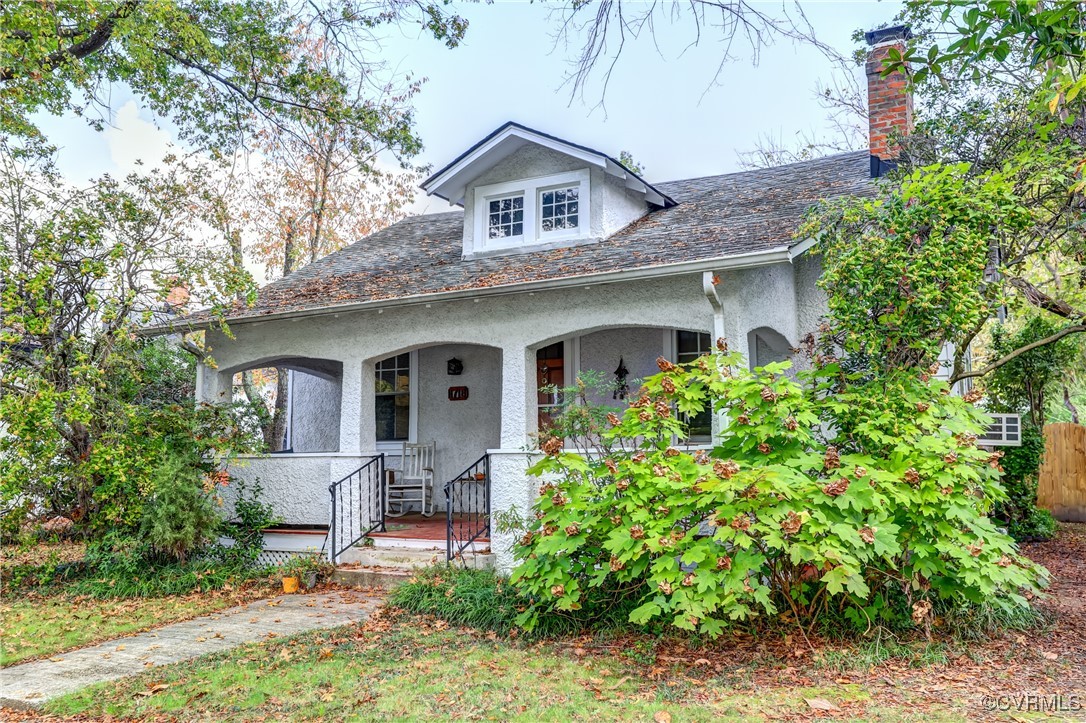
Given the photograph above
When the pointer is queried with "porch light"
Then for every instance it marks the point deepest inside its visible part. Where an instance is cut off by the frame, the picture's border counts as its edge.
(455, 367)
(621, 387)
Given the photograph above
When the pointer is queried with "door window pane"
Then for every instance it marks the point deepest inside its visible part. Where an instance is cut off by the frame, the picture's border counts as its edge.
(393, 398)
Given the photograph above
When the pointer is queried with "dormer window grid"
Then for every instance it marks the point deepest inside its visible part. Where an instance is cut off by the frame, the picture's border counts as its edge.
(532, 213)
(505, 217)
(559, 209)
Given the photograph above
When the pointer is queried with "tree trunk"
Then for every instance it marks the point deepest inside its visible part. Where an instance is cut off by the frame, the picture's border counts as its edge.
(277, 430)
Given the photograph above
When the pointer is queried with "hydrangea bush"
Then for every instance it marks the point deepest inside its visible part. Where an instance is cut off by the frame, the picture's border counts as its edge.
(869, 499)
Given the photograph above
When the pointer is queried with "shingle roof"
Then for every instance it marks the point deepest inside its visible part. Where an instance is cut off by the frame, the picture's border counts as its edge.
(716, 217)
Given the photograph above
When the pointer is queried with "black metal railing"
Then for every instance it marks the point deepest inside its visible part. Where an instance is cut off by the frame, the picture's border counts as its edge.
(467, 508)
(358, 506)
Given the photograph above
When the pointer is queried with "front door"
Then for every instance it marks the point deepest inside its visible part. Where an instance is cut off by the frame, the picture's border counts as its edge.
(550, 377)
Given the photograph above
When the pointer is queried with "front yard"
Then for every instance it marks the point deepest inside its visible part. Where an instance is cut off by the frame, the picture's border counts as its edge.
(42, 624)
(397, 666)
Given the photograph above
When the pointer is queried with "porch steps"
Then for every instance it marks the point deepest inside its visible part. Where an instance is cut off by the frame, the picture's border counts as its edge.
(370, 577)
(389, 565)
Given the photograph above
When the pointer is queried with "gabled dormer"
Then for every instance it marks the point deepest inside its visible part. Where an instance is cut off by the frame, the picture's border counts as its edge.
(523, 190)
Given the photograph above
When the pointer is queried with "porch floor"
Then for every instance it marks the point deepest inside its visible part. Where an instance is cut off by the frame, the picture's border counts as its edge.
(417, 527)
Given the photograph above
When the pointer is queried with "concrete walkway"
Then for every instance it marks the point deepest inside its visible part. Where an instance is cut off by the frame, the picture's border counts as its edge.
(29, 685)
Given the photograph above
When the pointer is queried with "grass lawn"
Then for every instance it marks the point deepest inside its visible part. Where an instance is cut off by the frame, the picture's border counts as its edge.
(402, 668)
(38, 624)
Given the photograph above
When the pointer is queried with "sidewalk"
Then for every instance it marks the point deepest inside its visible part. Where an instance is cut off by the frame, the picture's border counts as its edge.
(29, 685)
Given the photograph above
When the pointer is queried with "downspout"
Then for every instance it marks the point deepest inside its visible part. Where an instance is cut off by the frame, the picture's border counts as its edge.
(709, 281)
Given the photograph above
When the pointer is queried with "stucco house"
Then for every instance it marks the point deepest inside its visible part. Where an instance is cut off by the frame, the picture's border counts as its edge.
(556, 259)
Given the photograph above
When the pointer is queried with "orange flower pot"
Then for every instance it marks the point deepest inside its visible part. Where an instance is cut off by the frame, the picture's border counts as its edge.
(290, 584)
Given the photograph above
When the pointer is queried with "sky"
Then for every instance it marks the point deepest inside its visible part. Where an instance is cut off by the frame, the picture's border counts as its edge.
(662, 104)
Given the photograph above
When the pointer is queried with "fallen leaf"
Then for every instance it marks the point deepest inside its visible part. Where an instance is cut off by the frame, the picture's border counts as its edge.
(661, 716)
(821, 704)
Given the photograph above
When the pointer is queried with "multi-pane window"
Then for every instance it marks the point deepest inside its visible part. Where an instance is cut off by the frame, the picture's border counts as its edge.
(505, 217)
(559, 209)
(393, 388)
(689, 345)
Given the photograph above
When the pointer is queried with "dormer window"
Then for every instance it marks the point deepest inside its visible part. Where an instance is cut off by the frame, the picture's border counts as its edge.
(560, 210)
(532, 213)
(505, 217)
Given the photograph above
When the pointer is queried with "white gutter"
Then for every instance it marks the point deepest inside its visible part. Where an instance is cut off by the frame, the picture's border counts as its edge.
(778, 255)
(802, 247)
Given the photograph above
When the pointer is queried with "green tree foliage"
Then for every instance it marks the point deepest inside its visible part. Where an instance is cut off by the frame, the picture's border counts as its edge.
(219, 69)
(1024, 383)
(90, 409)
(905, 271)
(831, 493)
(967, 39)
(1025, 521)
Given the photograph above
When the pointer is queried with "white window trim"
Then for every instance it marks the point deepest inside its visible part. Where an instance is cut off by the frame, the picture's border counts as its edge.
(671, 353)
(396, 445)
(563, 234)
(532, 188)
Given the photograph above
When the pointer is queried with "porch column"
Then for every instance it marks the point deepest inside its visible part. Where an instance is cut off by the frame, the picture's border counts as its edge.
(212, 386)
(368, 403)
(350, 407)
(516, 397)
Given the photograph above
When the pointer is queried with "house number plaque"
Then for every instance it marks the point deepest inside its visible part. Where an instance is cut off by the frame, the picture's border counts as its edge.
(458, 394)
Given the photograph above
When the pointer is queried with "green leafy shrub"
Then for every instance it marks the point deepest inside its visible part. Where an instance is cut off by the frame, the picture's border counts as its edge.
(867, 497)
(252, 515)
(120, 565)
(1026, 522)
(180, 517)
(484, 600)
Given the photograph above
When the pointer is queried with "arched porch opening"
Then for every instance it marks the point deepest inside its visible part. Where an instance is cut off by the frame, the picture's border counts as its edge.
(611, 361)
(294, 402)
(767, 345)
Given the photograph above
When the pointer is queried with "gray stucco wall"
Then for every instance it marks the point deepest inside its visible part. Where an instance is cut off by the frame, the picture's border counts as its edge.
(638, 348)
(314, 413)
(463, 430)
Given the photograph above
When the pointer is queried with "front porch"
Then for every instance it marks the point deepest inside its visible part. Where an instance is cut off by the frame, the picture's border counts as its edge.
(481, 405)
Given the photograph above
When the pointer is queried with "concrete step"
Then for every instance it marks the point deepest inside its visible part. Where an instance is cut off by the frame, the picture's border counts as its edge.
(371, 577)
(407, 557)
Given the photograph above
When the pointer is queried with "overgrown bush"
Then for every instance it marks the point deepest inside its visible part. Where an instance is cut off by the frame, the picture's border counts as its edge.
(180, 517)
(1026, 522)
(840, 493)
(117, 565)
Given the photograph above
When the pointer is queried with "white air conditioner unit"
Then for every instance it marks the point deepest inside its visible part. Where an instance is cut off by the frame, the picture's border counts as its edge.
(1004, 431)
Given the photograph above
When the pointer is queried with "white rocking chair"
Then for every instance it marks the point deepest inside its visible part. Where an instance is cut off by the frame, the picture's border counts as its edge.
(413, 482)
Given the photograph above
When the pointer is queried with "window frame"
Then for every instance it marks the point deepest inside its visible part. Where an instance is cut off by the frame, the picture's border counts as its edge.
(512, 238)
(395, 445)
(532, 190)
(564, 233)
(671, 352)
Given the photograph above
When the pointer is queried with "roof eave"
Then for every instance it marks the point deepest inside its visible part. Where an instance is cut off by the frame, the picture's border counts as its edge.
(777, 255)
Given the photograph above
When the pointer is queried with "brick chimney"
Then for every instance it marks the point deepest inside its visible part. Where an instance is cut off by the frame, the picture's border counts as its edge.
(889, 103)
